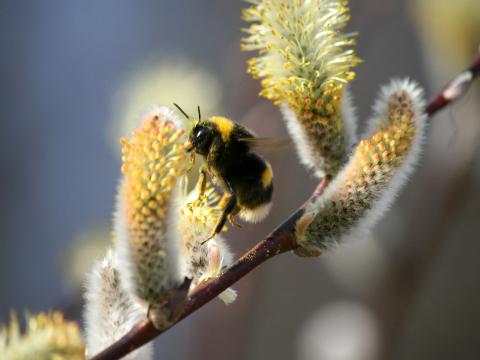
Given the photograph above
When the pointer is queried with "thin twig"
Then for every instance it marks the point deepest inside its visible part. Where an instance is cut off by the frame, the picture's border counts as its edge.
(279, 241)
(455, 89)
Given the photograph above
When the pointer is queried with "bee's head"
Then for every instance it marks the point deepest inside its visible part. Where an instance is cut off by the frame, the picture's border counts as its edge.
(200, 138)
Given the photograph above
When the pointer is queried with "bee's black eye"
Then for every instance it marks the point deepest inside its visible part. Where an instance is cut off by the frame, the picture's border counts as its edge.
(201, 134)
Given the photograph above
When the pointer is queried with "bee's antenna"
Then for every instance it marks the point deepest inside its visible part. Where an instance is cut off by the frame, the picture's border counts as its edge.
(181, 110)
(199, 114)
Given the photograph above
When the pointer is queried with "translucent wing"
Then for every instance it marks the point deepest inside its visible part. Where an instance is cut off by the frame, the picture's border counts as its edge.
(267, 143)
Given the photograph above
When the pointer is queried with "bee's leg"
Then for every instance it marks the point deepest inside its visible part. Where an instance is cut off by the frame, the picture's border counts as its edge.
(231, 202)
(224, 200)
(201, 185)
(192, 161)
(231, 217)
(202, 181)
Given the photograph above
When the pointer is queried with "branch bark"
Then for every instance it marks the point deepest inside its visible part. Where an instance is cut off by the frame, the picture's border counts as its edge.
(281, 240)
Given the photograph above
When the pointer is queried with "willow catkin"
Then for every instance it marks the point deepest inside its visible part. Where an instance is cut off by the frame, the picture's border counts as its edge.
(305, 62)
(374, 174)
(154, 161)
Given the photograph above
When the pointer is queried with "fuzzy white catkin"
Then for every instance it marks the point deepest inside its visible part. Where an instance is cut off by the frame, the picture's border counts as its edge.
(200, 261)
(146, 240)
(109, 311)
(379, 166)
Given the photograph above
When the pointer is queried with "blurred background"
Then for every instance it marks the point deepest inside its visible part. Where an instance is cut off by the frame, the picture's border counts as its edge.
(76, 75)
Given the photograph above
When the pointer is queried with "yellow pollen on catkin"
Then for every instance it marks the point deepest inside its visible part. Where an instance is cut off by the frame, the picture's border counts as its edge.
(46, 336)
(143, 163)
(304, 54)
(314, 55)
(153, 161)
(198, 216)
(379, 149)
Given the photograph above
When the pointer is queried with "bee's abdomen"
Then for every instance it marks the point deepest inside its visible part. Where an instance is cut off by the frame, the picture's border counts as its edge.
(252, 180)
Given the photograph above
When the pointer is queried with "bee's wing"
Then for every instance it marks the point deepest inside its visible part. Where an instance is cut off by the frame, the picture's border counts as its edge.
(267, 143)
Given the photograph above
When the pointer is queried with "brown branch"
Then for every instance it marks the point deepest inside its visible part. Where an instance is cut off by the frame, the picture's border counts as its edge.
(279, 241)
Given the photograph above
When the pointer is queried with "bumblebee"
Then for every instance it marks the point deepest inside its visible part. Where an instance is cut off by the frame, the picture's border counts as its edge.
(244, 176)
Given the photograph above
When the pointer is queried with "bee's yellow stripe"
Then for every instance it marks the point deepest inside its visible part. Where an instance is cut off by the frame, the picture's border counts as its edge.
(224, 125)
(267, 176)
